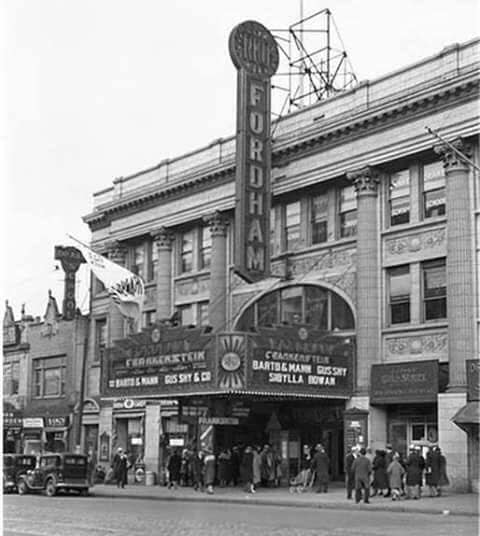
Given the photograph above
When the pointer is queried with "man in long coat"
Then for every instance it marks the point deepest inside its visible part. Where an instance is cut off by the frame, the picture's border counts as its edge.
(415, 464)
(320, 465)
(349, 476)
(362, 469)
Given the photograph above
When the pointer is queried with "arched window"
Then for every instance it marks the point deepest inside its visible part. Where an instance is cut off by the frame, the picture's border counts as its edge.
(300, 304)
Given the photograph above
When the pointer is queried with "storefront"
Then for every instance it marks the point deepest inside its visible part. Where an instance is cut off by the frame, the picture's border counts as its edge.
(33, 435)
(56, 433)
(285, 386)
(12, 431)
(409, 391)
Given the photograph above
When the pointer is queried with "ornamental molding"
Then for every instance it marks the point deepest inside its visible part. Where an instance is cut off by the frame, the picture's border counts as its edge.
(323, 262)
(416, 242)
(428, 344)
(365, 180)
(163, 238)
(217, 222)
(192, 288)
(452, 161)
(116, 251)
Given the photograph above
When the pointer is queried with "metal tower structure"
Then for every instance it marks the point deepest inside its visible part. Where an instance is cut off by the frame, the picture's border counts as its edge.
(313, 63)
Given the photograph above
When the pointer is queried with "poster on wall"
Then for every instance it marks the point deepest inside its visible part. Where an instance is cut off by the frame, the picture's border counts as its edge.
(160, 360)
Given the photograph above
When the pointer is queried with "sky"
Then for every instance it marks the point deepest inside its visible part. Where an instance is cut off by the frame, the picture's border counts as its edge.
(96, 89)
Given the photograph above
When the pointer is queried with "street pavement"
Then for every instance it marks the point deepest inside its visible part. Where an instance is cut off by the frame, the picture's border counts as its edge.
(448, 504)
(97, 515)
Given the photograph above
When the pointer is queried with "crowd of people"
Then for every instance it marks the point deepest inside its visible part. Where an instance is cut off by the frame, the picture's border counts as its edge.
(252, 466)
(386, 473)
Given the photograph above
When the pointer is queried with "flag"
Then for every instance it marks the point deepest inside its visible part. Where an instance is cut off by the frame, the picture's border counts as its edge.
(126, 288)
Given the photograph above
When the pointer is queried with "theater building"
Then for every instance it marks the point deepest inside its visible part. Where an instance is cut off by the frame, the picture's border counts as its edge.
(345, 314)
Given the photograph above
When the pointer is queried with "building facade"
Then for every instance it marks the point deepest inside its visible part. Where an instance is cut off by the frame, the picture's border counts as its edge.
(362, 329)
(42, 369)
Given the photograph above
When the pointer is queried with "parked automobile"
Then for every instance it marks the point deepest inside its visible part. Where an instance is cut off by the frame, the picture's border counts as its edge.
(56, 472)
(14, 466)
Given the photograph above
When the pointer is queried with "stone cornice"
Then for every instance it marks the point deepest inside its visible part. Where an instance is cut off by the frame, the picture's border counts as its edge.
(286, 149)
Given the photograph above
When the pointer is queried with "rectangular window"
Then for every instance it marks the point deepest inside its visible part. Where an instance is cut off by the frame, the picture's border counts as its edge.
(202, 313)
(186, 314)
(148, 318)
(186, 263)
(292, 305)
(205, 247)
(319, 218)
(49, 377)
(433, 190)
(100, 338)
(434, 290)
(399, 283)
(292, 226)
(152, 260)
(348, 212)
(400, 197)
(138, 260)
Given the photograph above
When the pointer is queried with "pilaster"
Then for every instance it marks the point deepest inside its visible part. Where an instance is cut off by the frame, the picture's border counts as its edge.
(365, 181)
(163, 242)
(117, 253)
(217, 309)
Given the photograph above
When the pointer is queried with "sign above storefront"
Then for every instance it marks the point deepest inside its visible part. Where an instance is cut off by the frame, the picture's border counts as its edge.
(33, 422)
(396, 383)
(56, 422)
(254, 53)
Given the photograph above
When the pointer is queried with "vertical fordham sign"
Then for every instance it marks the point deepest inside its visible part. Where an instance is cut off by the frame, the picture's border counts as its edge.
(255, 55)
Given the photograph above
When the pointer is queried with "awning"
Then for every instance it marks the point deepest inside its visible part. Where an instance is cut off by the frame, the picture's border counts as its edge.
(468, 415)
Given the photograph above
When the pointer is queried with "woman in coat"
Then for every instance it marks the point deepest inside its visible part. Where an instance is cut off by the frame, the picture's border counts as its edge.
(246, 470)
(174, 464)
(256, 467)
(380, 480)
(395, 473)
(439, 464)
(197, 470)
(414, 474)
(223, 470)
(209, 470)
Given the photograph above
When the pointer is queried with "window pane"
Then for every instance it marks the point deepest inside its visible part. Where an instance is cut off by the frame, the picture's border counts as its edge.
(139, 260)
(316, 307)
(342, 317)
(399, 294)
(348, 199)
(400, 197)
(186, 312)
(187, 252)
(434, 190)
(319, 218)
(52, 382)
(292, 302)
(292, 227)
(206, 249)
(348, 224)
(434, 203)
(435, 290)
(267, 310)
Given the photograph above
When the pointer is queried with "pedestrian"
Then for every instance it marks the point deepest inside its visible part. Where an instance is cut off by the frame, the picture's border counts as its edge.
(246, 470)
(223, 462)
(414, 474)
(120, 467)
(256, 467)
(209, 470)
(197, 470)
(267, 466)
(380, 481)
(174, 466)
(440, 463)
(388, 460)
(395, 473)
(235, 465)
(362, 470)
(320, 465)
(92, 466)
(349, 476)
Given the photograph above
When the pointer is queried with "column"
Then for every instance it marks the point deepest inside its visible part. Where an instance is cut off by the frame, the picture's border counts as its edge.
(163, 241)
(460, 282)
(365, 181)
(217, 309)
(116, 253)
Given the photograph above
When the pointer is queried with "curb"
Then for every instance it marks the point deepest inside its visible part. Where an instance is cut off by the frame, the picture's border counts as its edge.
(256, 501)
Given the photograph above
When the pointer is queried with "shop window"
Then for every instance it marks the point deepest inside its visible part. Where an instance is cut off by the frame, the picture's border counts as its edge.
(434, 290)
(348, 212)
(316, 307)
(292, 226)
(342, 316)
(152, 260)
(138, 260)
(399, 302)
(49, 377)
(186, 263)
(205, 247)
(319, 210)
(292, 305)
(433, 190)
(100, 338)
(399, 201)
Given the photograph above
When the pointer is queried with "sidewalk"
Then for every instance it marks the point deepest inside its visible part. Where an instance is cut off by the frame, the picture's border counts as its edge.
(450, 504)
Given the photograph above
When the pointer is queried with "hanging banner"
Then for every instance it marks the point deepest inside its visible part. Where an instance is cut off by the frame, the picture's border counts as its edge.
(254, 53)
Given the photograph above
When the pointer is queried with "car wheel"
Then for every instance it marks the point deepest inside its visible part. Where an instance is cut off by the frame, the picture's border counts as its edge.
(22, 488)
(50, 489)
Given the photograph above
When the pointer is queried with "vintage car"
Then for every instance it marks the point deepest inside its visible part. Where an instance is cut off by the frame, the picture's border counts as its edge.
(56, 472)
(14, 466)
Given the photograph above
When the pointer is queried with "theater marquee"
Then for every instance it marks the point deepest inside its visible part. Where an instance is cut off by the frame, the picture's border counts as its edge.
(255, 55)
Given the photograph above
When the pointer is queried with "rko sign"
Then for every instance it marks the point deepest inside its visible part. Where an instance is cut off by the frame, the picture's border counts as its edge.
(255, 54)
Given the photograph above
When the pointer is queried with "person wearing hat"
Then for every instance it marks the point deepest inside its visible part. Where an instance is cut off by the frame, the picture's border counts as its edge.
(349, 475)
(414, 473)
(119, 466)
(320, 465)
(209, 469)
(388, 461)
(362, 469)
